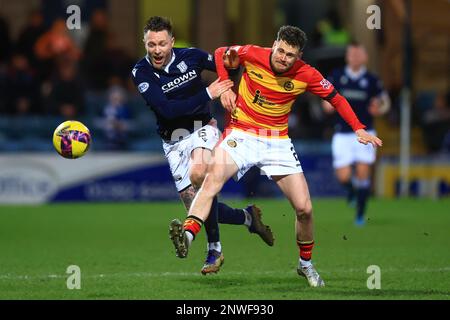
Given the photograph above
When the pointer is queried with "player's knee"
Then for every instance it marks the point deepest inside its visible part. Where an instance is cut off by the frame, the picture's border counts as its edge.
(212, 184)
(303, 210)
(363, 175)
(197, 175)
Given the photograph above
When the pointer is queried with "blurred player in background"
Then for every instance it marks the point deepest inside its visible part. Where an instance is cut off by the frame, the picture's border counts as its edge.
(258, 134)
(169, 79)
(365, 93)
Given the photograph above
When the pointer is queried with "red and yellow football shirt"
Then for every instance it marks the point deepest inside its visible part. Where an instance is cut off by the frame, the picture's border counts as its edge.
(264, 98)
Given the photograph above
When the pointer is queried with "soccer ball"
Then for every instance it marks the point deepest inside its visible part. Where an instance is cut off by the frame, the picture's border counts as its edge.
(71, 139)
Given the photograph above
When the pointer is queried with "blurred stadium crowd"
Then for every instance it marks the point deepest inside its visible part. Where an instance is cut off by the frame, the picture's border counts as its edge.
(47, 76)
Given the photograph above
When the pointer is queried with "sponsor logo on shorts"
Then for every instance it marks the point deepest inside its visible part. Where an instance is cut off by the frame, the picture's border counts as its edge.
(231, 143)
(288, 85)
(203, 135)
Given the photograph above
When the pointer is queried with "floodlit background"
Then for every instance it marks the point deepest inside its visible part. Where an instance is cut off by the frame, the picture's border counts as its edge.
(49, 73)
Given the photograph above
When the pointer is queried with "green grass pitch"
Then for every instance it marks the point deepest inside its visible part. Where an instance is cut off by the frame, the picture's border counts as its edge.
(124, 252)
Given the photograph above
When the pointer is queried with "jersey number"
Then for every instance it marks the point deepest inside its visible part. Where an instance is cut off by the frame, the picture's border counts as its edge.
(294, 154)
(202, 134)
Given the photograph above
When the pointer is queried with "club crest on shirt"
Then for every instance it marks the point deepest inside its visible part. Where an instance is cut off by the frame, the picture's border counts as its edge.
(288, 85)
(325, 84)
(231, 143)
(143, 86)
(182, 66)
(363, 83)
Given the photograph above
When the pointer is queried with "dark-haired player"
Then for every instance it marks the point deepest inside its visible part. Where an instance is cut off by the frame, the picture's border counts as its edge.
(258, 134)
(169, 79)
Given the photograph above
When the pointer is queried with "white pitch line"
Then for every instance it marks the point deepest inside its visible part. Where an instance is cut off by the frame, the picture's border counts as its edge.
(196, 274)
(134, 274)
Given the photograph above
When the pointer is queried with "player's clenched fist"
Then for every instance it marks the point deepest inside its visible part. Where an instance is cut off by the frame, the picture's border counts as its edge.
(231, 59)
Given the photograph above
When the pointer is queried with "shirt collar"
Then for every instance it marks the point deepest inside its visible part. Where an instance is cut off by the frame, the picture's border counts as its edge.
(166, 69)
(355, 75)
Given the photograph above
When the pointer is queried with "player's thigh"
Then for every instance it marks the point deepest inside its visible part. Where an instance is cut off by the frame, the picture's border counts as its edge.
(279, 158)
(221, 169)
(200, 159)
(363, 170)
(202, 142)
(242, 150)
(295, 188)
(344, 174)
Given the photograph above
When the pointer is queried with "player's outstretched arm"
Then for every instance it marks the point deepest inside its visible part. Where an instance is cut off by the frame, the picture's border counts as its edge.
(318, 85)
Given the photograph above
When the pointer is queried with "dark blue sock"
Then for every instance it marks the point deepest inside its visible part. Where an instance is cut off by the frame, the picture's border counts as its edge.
(229, 215)
(350, 190)
(212, 223)
(362, 194)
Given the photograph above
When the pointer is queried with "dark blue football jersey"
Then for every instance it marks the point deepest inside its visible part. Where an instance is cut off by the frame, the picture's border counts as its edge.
(176, 93)
(358, 91)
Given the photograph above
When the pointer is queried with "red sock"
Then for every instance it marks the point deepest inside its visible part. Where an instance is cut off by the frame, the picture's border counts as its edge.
(193, 225)
(305, 248)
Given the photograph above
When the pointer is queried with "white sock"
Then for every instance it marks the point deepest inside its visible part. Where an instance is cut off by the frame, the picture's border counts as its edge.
(215, 246)
(248, 218)
(304, 263)
(190, 237)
